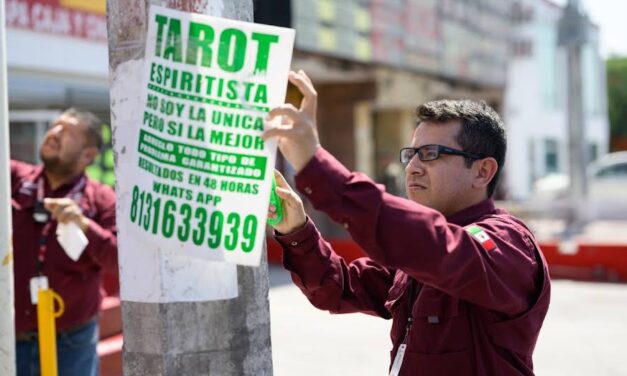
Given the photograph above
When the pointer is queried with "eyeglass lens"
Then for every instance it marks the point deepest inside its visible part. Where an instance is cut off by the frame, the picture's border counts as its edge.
(425, 153)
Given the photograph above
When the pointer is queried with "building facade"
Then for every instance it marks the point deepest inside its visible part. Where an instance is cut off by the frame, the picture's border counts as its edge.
(372, 61)
(535, 108)
(56, 58)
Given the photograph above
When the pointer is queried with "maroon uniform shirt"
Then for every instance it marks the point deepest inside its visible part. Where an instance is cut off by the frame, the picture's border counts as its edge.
(477, 306)
(78, 283)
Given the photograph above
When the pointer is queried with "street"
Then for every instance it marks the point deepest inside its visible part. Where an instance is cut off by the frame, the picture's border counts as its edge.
(585, 333)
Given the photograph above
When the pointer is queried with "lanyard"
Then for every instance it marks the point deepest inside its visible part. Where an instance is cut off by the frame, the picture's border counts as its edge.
(400, 352)
(410, 305)
(42, 216)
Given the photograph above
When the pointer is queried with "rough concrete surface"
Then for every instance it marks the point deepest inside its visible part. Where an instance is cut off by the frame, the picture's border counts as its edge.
(227, 337)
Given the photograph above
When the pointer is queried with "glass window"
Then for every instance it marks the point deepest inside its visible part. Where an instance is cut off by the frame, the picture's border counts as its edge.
(593, 152)
(550, 156)
(615, 171)
(23, 138)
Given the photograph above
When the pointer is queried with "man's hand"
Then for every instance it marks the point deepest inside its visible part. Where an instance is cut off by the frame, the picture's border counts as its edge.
(294, 216)
(297, 134)
(65, 210)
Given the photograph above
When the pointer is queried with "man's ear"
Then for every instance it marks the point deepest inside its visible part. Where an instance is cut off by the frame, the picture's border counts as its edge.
(485, 169)
(89, 154)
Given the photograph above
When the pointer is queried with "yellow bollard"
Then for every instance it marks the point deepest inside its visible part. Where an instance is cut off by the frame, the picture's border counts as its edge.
(47, 330)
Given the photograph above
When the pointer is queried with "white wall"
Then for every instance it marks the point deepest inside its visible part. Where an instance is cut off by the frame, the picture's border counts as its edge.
(54, 55)
(50, 71)
(535, 100)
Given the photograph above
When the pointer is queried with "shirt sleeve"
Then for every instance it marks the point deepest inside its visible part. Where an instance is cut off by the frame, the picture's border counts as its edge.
(102, 232)
(328, 281)
(401, 234)
(14, 167)
(18, 170)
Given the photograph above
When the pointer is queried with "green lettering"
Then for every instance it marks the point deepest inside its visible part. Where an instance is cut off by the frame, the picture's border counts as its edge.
(247, 87)
(159, 74)
(169, 220)
(215, 229)
(258, 124)
(259, 144)
(198, 234)
(152, 72)
(216, 137)
(230, 240)
(175, 75)
(249, 232)
(263, 50)
(184, 229)
(174, 47)
(232, 90)
(161, 21)
(186, 81)
(200, 38)
(232, 50)
(261, 95)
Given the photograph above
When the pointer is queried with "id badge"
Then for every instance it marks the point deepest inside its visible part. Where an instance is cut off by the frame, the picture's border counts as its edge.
(40, 214)
(398, 360)
(37, 283)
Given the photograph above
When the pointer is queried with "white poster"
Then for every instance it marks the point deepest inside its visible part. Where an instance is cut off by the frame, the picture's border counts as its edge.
(198, 174)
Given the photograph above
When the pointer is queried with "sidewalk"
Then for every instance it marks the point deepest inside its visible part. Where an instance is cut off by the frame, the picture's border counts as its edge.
(585, 333)
(310, 342)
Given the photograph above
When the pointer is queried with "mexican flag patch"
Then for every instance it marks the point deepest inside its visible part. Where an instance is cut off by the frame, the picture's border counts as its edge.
(477, 232)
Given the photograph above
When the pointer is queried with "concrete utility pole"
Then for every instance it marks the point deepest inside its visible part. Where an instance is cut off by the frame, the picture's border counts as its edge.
(7, 327)
(226, 337)
(573, 35)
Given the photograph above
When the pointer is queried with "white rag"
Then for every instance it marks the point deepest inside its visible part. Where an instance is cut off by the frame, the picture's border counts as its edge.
(72, 239)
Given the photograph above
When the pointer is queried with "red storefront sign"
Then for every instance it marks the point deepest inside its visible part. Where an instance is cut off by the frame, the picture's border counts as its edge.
(67, 18)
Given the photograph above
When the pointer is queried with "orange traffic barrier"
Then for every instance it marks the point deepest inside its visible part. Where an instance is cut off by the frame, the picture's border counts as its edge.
(588, 261)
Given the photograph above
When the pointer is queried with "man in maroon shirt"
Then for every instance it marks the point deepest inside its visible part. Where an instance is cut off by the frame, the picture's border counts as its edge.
(465, 283)
(42, 197)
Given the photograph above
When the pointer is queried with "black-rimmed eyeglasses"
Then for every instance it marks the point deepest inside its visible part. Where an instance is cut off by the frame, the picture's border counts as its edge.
(432, 152)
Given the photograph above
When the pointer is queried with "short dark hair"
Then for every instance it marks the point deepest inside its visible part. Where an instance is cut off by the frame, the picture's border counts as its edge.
(91, 122)
(482, 132)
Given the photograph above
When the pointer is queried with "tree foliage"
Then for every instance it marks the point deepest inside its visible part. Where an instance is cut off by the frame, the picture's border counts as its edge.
(617, 94)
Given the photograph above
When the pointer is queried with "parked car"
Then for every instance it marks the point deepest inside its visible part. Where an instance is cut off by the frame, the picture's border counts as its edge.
(607, 187)
(609, 177)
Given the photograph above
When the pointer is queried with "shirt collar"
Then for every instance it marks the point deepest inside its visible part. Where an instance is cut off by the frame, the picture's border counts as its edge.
(36, 173)
(66, 187)
(63, 188)
(472, 213)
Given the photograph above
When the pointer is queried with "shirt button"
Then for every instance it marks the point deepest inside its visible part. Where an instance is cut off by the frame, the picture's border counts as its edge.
(308, 190)
(294, 244)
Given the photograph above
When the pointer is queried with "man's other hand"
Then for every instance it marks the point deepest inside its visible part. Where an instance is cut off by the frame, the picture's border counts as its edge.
(297, 134)
(294, 217)
(65, 210)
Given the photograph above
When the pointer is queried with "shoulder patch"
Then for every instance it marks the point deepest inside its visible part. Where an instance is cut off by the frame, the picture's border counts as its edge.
(478, 233)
